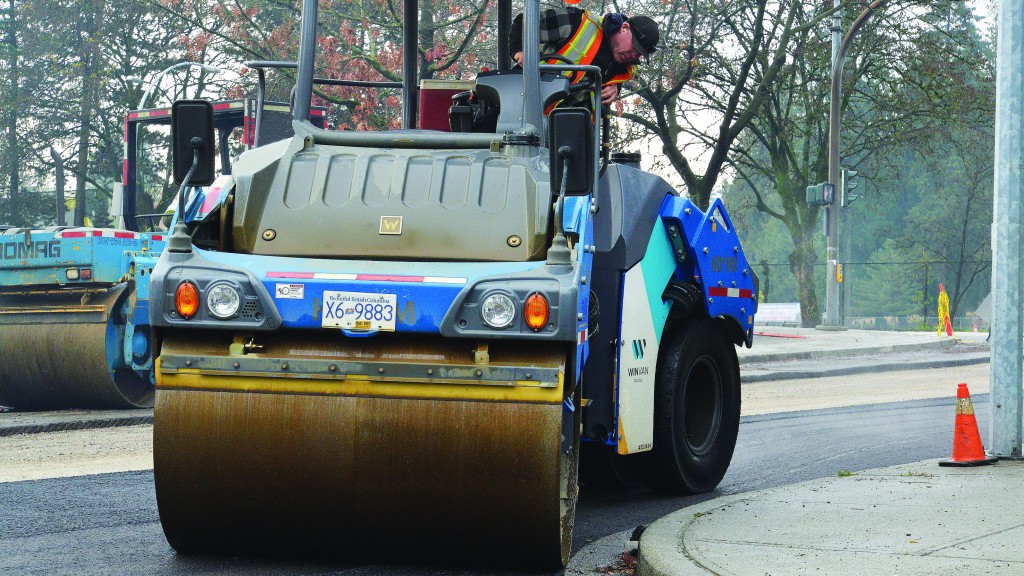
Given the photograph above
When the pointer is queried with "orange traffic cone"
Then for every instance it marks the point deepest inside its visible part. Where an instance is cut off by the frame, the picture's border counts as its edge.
(967, 447)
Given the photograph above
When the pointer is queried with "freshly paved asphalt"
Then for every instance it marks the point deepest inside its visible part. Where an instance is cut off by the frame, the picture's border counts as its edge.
(913, 519)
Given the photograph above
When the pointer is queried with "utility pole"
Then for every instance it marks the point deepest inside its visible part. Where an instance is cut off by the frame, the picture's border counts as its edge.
(832, 259)
(1007, 366)
(832, 210)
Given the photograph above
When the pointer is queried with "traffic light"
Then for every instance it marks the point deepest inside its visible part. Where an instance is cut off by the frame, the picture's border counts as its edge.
(847, 186)
(820, 194)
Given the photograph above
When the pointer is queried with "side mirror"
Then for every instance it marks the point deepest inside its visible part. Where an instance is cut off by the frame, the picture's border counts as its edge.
(191, 132)
(571, 141)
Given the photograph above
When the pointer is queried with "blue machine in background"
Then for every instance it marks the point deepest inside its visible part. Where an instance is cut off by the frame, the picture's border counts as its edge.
(73, 317)
(74, 301)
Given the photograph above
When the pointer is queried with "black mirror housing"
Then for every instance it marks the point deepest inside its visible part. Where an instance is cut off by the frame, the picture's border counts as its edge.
(191, 130)
(571, 141)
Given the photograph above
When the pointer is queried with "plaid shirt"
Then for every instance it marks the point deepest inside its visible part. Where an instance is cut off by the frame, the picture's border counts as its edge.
(557, 26)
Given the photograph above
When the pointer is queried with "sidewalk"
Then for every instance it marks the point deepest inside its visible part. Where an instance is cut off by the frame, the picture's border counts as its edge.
(914, 519)
(778, 343)
(781, 353)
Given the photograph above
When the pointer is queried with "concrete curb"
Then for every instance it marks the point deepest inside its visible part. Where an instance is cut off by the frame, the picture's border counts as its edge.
(662, 549)
(945, 342)
(773, 375)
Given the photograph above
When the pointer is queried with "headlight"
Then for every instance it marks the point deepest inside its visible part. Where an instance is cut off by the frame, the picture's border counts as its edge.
(223, 301)
(498, 310)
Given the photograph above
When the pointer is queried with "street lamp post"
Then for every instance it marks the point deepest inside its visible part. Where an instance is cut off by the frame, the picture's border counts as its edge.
(160, 76)
(832, 210)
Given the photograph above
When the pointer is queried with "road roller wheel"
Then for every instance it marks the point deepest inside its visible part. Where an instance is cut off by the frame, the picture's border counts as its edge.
(250, 462)
(696, 409)
(65, 362)
(569, 473)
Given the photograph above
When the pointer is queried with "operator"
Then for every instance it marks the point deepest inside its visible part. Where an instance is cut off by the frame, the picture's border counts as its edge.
(614, 43)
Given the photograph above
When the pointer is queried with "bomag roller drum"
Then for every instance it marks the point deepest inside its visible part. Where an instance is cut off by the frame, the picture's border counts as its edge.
(58, 349)
(397, 445)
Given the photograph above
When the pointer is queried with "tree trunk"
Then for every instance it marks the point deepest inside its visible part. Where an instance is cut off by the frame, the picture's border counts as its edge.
(426, 42)
(87, 106)
(801, 263)
(13, 106)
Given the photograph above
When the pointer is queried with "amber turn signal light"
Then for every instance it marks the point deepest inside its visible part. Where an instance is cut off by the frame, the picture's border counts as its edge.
(535, 311)
(186, 299)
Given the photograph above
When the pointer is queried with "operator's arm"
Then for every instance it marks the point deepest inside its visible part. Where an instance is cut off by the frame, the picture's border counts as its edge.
(618, 74)
(515, 38)
(609, 93)
(556, 28)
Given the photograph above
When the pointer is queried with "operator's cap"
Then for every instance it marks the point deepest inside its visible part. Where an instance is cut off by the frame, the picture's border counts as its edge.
(645, 34)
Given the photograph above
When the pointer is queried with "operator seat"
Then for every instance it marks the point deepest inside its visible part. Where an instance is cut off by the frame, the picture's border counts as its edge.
(500, 94)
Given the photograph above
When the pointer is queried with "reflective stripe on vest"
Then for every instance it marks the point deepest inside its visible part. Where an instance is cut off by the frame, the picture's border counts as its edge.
(582, 47)
(620, 78)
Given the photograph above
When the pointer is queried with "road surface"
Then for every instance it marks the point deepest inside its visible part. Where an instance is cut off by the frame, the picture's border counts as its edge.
(82, 502)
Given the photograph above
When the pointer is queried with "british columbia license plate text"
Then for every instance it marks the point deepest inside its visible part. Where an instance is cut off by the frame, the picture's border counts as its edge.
(359, 311)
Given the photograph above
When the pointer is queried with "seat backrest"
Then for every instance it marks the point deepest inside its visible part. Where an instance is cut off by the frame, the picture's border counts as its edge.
(505, 90)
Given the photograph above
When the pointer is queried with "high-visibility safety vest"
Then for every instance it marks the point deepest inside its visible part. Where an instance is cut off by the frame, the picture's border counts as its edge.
(582, 49)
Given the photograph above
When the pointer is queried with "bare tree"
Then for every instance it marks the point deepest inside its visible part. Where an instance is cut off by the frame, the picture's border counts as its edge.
(716, 69)
(895, 94)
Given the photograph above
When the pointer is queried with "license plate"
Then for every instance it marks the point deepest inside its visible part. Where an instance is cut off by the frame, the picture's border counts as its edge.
(359, 311)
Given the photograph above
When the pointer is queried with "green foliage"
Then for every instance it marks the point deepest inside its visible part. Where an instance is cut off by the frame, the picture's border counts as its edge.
(917, 128)
(736, 102)
(70, 86)
(31, 210)
(768, 244)
(893, 288)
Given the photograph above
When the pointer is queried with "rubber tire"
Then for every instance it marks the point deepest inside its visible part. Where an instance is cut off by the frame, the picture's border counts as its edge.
(697, 389)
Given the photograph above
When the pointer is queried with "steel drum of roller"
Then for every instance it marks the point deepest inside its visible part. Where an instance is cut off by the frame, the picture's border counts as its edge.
(62, 352)
(401, 446)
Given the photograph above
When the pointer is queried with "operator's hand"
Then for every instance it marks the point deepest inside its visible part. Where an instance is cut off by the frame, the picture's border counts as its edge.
(518, 57)
(609, 94)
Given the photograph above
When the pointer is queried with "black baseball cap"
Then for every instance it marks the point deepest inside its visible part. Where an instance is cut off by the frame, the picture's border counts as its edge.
(645, 34)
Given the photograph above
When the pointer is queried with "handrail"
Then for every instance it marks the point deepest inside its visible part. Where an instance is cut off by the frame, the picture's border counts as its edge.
(395, 138)
(261, 65)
